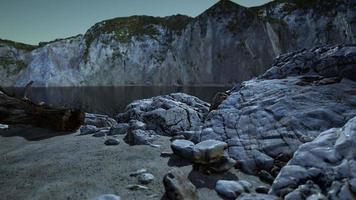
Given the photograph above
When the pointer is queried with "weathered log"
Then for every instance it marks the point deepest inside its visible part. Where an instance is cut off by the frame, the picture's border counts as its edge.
(21, 111)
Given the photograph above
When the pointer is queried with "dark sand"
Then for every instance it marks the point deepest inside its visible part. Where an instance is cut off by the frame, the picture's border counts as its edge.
(82, 167)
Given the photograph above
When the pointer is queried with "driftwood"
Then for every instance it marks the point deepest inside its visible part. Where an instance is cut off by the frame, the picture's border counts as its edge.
(22, 111)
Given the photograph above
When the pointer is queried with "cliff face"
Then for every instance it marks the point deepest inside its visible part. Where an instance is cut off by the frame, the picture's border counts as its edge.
(227, 43)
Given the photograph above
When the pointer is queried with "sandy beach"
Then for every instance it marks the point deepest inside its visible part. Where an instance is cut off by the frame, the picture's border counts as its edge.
(82, 167)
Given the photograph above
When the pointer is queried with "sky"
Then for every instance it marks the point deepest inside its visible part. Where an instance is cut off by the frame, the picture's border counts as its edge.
(34, 21)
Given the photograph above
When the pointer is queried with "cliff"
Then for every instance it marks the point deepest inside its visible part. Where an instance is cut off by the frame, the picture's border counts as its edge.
(228, 43)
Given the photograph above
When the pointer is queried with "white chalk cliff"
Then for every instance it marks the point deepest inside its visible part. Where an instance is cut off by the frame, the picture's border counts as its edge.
(228, 43)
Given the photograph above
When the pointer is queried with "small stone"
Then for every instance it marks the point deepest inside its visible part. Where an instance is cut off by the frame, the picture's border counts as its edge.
(145, 178)
(262, 189)
(232, 189)
(108, 197)
(138, 172)
(208, 151)
(178, 187)
(183, 148)
(136, 187)
(112, 142)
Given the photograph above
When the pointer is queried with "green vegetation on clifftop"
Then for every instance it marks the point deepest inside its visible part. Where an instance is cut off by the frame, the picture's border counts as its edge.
(124, 28)
(18, 45)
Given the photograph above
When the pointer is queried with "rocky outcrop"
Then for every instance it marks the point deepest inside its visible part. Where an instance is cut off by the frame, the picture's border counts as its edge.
(227, 43)
(267, 119)
(166, 115)
(99, 121)
(98, 125)
(324, 167)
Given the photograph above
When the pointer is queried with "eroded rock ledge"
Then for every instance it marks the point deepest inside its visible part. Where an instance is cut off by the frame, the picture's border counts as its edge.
(325, 167)
(267, 119)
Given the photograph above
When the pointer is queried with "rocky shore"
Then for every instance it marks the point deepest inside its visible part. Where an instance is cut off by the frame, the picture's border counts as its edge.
(288, 134)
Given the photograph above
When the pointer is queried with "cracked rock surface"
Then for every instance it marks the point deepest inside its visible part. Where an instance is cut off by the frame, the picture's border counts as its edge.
(324, 167)
(167, 115)
(302, 95)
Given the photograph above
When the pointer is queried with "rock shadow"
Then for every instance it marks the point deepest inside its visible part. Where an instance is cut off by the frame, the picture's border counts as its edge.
(201, 180)
(31, 133)
(176, 161)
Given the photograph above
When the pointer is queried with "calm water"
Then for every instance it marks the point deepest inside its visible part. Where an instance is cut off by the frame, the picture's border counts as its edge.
(108, 100)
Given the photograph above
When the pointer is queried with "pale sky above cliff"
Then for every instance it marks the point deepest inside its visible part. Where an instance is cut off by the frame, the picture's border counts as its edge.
(32, 21)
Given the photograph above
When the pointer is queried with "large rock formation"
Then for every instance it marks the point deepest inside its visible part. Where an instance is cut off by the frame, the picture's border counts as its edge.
(227, 43)
(166, 115)
(325, 167)
(267, 119)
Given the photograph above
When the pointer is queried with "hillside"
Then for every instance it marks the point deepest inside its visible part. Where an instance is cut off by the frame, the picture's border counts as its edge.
(226, 44)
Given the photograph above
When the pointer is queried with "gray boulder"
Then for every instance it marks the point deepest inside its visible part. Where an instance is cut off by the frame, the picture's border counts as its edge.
(286, 107)
(325, 166)
(168, 114)
(178, 186)
(88, 129)
(208, 151)
(99, 120)
(140, 137)
(232, 189)
(208, 156)
(183, 148)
